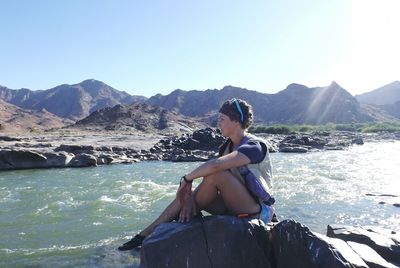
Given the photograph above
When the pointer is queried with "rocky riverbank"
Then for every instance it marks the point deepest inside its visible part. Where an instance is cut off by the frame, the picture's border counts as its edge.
(92, 149)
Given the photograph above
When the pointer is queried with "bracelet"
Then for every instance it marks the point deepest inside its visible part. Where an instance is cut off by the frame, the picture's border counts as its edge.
(185, 179)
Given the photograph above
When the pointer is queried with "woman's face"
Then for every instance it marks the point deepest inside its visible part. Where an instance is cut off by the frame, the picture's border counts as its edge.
(226, 125)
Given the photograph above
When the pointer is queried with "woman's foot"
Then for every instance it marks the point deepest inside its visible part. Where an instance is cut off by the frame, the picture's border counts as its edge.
(135, 242)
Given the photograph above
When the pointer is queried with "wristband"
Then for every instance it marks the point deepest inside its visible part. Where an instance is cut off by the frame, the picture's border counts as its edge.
(185, 179)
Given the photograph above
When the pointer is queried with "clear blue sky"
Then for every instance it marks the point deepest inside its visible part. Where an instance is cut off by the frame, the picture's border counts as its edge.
(149, 47)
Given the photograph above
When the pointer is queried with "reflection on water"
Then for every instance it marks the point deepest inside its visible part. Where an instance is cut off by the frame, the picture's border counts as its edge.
(76, 217)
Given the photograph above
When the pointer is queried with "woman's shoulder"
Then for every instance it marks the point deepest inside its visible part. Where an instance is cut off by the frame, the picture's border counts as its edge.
(254, 148)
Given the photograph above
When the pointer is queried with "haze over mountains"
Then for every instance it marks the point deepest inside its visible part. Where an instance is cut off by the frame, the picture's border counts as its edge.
(297, 104)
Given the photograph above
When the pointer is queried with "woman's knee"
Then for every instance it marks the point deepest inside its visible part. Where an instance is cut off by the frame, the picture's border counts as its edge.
(217, 177)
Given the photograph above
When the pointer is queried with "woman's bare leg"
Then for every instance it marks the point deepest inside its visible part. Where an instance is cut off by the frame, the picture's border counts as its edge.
(234, 194)
(216, 194)
(169, 213)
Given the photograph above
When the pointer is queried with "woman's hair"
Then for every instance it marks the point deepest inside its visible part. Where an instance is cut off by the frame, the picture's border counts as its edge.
(238, 110)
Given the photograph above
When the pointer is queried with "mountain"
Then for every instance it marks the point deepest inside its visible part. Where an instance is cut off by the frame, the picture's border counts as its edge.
(141, 116)
(319, 105)
(297, 104)
(386, 95)
(14, 119)
(70, 101)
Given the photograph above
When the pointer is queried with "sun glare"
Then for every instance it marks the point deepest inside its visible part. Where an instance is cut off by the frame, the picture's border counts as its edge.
(373, 55)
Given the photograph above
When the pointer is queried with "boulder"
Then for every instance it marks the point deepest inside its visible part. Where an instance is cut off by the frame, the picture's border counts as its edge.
(59, 159)
(295, 149)
(294, 245)
(226, 241)
(385, 246)
(214, 241)
(190, 144)
(370, 256)
(75, 149)
(19, 159)
(8, 138)
(83, 160)
(188, 158)
(358, 141)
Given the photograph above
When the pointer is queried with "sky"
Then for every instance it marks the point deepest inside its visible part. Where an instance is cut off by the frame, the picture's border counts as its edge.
(149, 47)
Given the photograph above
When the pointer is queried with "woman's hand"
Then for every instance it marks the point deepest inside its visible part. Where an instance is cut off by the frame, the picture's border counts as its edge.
(188, 209)
(184, 191)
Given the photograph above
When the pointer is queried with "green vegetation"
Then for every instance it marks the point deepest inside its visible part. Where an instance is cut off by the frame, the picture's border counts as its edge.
(382, 126)
(371, 127)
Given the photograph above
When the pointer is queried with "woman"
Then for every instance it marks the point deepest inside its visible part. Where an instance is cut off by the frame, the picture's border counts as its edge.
(236, 183)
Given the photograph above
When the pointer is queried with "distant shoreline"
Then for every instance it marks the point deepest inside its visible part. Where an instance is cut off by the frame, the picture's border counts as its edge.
(86, 148)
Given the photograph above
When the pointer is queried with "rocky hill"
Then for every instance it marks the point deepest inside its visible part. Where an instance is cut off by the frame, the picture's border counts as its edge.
(386, 99)
(297, 104)
(388, 94)
(17, 120)
(70, 101)
(143, 117)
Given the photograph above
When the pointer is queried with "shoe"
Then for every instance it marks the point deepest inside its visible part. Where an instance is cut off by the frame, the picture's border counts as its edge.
(135, 242)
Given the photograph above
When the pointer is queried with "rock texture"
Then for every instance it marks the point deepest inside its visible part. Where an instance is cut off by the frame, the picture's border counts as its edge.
(142, 117)
(218, 241)
(14, 119)
(226, 241)
(302, 143)
(294, 245)
(386, 246)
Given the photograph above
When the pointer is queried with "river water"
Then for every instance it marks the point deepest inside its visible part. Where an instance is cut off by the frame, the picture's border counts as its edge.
(77, 217)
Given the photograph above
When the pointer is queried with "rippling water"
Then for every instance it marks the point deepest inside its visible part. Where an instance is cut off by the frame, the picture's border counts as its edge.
(76, 217)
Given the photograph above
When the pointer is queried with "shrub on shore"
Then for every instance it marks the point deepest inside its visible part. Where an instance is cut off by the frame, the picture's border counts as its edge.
(382, 127)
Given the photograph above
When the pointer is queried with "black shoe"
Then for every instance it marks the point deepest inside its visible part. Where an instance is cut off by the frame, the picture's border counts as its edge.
(135, 242)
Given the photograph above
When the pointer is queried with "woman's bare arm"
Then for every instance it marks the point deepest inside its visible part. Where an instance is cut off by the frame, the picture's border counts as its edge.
(234, 159)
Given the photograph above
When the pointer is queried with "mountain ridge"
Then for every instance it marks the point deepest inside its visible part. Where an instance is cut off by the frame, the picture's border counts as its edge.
(74, 101)
(296, 104)
(385, 95)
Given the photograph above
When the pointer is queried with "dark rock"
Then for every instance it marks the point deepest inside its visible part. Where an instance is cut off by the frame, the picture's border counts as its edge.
(214, 241)
(7, 138)
(386, 195)
(293, 150)
(104, 149)
(294, 245)
(19, 159)
(190, 144)
(188, 158)
(105, 159)
(305, 141)
(83, 160)
(334, 148)
(358, 140)
(60, 159)
(396, 205)
(75, 149)
(117, 149)
(385, 246)
(370, 256)
(199, 146)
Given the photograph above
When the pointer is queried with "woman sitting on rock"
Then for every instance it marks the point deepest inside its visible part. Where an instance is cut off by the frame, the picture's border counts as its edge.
(236, 183)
